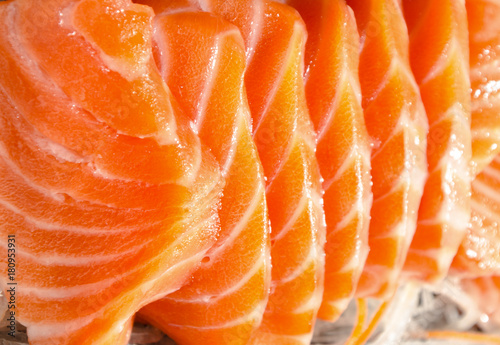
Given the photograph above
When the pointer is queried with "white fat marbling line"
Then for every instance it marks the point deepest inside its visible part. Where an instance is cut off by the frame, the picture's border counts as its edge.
(300, 207)
(255, 314)
(209, 298)
(71, 228)
(348, 81)
(485, 211)
(451, 48)
(486, 190)
(72, 261)
(285, 65)
(242, 222)
(490, 172)
(83, 289)
(51, 329)
(356, 153)
(312, 303)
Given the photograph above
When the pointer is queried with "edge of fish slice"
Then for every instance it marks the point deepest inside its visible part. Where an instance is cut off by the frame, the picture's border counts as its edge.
(293, 179)
(478, 254)
(224, 301)
(439, 56)
(484, 42)
(334, 100)
(274, 37)
(395, 119)
(91, 305)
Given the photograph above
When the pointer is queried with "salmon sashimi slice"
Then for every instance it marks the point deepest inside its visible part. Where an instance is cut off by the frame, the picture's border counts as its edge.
(202, 59)
(484, 44)
(479, 252)
(396, 121)
(334, 100)
(275, 37)
(439, 59)
(485, 291)
(109, 193)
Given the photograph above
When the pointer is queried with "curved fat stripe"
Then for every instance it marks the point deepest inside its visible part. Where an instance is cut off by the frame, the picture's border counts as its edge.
(63, 122)
(223, 313)
(253, 314)
(232, 331)
(301, 206)
(227, 294)
(230, 40)
(230, 266)
(487, 212)
(275, 36)
(484, 42)
(46, 267)
(203, 296)
(454, 46)
(19, 196)
(287, 153)
(76, 27)
(248, 16)
(358, 156)
(56, 116)
(395, 120)
(241, 225)
(490, 170)
(97, 279)
(51, 225)
(78, 330)
(96, 161)
(334, 100)
(271, 95)
(67, 261)
(77, 179)
(277, 126)
(478, 252)
(299, 271)
(60, 241)
(445, 208)
(70, 308)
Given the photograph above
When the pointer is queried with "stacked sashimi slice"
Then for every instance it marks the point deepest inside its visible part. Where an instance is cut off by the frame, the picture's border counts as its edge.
(343, 152)
(212, 92)
(228, 171)
(109, 193)
(479, 254)
(439, 54)
(395, 119)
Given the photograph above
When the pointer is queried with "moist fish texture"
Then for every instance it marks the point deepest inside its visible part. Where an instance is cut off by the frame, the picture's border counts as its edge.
(334, 100)
(439, 57)
(483, 17)
(479, 253)
(396, 122)
(202, 59)
(274, 37)
(110, 194)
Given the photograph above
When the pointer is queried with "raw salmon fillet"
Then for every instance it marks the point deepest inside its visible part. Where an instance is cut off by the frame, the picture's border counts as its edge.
(334, 100)
(224, 301)
(395, 119)
(275, 38)
(109, 193)
(484, 43)
(439, 58)
(479, 253)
